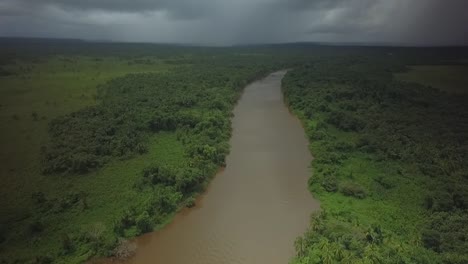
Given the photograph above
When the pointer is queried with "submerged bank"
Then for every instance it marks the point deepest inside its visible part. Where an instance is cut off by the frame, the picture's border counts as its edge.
(256, 207)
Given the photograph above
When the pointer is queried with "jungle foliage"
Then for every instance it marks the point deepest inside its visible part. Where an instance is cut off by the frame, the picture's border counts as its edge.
(390, 164)
(197, 103)
(104, 141)
(151, 140)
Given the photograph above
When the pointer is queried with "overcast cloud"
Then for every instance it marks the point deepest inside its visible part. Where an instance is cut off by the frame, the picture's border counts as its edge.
(225, 22)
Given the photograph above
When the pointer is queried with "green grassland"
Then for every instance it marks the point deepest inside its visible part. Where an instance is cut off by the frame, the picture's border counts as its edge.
(451, 78)
(108, 190)
(390, 165)
(35, 94)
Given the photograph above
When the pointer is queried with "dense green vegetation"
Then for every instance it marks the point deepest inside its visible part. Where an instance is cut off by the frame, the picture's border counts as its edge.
(111, 146)
(197, 103)
(101, 142)
(390, 164)
(40, 90)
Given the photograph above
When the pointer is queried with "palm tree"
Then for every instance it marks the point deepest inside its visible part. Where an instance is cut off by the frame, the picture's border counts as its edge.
(372, 255)
(316, 222)
(348, 258)
(299, 246)
(326, 251)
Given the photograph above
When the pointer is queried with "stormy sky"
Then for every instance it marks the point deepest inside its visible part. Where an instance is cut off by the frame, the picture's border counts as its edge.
(226, 22)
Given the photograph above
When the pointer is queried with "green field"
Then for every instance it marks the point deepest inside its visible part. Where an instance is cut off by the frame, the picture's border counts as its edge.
(37, 93)
(108, 190)
(451, 78)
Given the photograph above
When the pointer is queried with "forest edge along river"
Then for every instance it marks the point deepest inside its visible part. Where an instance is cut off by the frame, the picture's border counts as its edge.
(255, 208)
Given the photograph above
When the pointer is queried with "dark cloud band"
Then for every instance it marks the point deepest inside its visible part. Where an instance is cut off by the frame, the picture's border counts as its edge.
(240, 21)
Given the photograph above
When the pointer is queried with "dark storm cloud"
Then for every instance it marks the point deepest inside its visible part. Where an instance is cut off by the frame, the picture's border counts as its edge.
(317, 4)
(110, 5)
(438, 21)
(242, 21)
(184, 9)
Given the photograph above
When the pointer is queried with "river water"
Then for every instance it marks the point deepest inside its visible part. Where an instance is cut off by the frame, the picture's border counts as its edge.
(255, 208)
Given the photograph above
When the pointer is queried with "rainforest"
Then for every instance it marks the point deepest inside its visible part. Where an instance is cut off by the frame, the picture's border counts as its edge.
(107, 145)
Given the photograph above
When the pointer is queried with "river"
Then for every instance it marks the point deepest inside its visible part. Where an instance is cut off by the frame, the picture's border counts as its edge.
(254, 209)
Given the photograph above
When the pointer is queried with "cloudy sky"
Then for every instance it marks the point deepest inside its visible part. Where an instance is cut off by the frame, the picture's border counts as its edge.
(225, 22)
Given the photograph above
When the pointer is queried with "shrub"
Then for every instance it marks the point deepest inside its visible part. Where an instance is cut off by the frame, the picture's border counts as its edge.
(68, 201)
(125, 221)
(317, 135)
(442, 201)
(345, 121)
(428, 202)
(124, 249)
(67, 243)
(324, 108)
(354, 190)
(84, 203)
(96, 232)
(190, 202)
(385, 182)
(342, 146)
(161, 174)
(363, 141)
(330, 184)
(374, 235)
(431, 239)
(36, 226)
(38, 197)
(43, 260)
(331, 158)
(144, 223)
(460, 198)
(141, 148)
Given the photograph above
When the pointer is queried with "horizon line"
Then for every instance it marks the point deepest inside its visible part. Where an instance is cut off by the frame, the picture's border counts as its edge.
(195, 44)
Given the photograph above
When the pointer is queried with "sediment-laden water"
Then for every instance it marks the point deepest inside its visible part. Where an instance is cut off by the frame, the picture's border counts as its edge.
(255, 208)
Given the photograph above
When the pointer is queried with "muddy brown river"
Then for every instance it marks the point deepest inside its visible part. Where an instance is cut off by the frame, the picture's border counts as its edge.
(255, 208)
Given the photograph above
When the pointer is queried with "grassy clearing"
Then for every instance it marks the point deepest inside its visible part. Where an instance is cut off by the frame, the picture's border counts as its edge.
(383, 204)
(36, 93)
(108, 191)
(29, 99)
(450, 78)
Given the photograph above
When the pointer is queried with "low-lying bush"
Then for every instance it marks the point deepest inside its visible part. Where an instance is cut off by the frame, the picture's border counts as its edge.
(353, 189)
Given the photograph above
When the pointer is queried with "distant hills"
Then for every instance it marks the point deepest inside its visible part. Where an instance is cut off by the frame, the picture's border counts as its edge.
(304, 44)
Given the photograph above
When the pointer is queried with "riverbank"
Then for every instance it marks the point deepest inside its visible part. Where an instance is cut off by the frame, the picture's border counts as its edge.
(386, 194)
(99, 167)
(256, 207)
